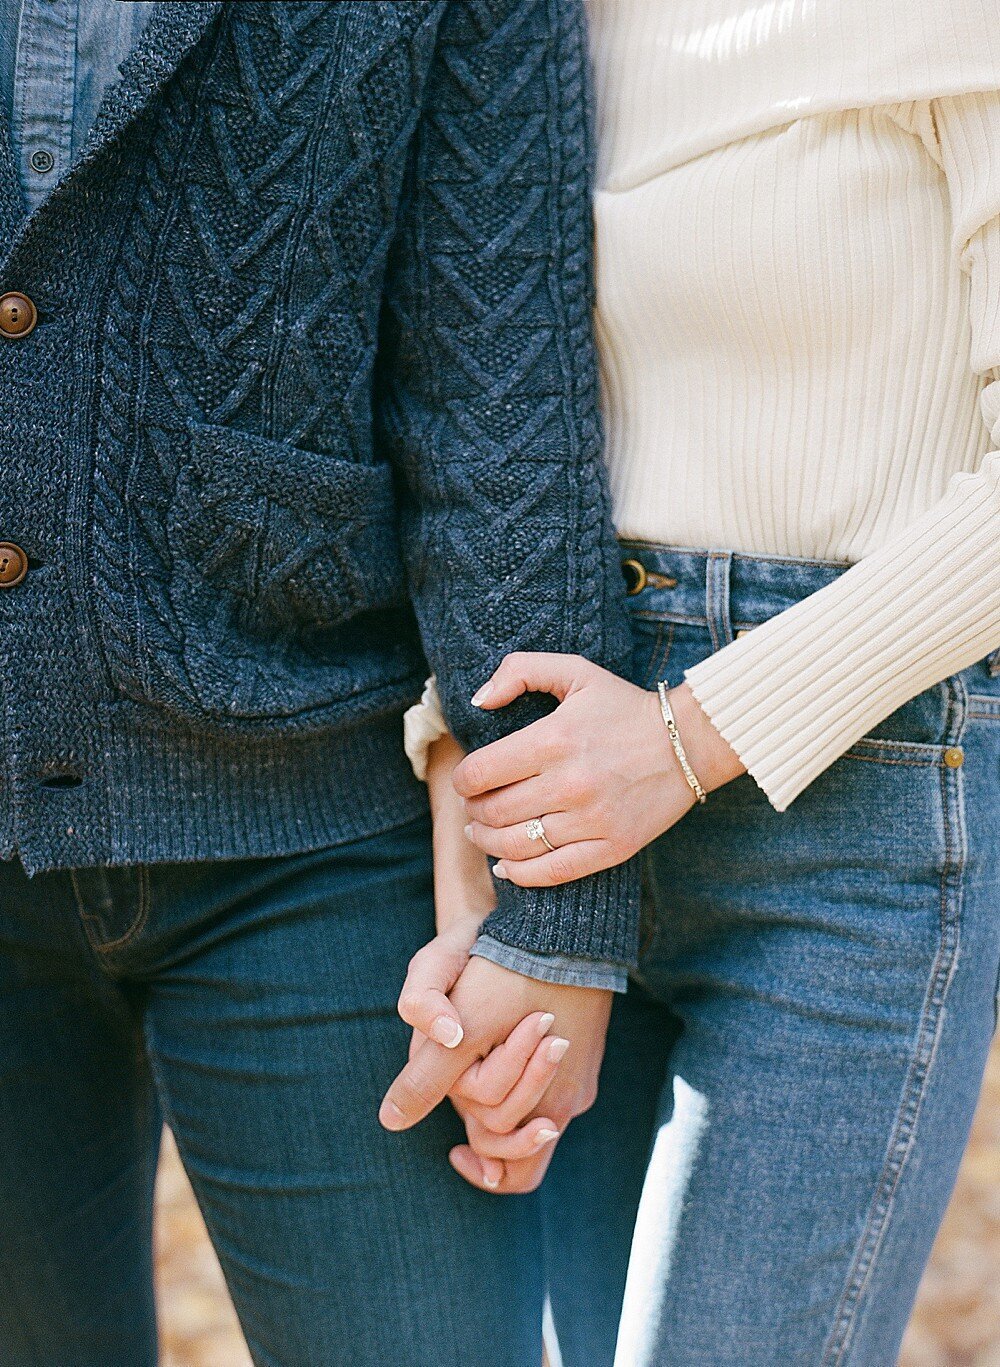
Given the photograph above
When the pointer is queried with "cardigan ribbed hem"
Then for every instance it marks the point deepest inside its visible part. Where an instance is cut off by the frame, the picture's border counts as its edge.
(158, 796)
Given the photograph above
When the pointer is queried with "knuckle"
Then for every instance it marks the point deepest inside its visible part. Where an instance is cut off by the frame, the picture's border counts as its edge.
(416, 1089)
(472, 772)
(561, 1115)
(557, 740)
(511, 845)
(560, 868)
(490, 812)
(492, 1093)
(499, 1121)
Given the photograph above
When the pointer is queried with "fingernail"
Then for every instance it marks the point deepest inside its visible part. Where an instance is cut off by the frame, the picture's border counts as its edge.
(500, 872)
(557, 1050)
(491, 1182)
(479, 698)
(545, 1137)
(390, 1116)
(447, 1032)
(545, 1023)
(468, 831)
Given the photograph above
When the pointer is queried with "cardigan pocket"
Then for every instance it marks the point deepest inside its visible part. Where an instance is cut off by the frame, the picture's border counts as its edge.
(294, 541)
(275, 595)
(277, 549)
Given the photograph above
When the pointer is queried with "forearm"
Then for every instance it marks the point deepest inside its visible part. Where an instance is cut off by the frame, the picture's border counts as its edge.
(489, 407)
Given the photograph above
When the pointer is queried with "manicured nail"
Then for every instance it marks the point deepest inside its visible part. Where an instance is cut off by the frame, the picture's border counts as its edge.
(479, 698)
(447, 1032)
(390, 1116)
(544, 1137)
(500, 872)
(557, 1049)
(545, 1023)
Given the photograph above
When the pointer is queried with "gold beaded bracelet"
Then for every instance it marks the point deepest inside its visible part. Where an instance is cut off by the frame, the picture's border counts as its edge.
(675, 741)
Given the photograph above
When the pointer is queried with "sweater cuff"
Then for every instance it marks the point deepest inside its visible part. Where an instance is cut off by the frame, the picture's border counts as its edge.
(795, 693)
(553, 968)
(423, 724)
(594, 918)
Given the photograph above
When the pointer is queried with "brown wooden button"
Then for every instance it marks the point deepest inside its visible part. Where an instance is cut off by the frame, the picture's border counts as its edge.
(13, 565)
(954, 757)
(18, 315)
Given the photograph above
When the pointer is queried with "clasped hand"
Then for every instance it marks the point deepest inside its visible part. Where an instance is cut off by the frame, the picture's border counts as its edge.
(601, 774)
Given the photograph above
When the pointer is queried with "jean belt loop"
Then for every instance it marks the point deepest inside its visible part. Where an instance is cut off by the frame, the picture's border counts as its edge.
(717, 598)
(993, 664)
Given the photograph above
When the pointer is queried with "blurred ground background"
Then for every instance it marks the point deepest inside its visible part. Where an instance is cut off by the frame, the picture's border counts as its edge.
(956, 1322)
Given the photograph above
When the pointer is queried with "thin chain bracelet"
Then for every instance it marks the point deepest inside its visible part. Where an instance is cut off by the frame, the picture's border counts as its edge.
(677, 743)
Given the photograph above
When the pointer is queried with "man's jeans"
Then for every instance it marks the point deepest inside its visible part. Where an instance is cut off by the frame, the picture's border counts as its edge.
(251, 1003)
(807, 1035)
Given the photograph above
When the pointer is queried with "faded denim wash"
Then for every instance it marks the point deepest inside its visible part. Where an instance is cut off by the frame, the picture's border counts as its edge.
(806, 1036)
(252, 1003)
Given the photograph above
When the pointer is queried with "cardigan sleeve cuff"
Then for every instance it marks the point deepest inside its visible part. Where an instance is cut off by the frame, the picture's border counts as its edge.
(593, 918)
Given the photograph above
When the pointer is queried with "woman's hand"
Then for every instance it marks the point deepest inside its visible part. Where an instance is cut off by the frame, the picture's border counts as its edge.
(505, 1068)
(599, 771)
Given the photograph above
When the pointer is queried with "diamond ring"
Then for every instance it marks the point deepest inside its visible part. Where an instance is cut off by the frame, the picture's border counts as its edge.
(536, 831)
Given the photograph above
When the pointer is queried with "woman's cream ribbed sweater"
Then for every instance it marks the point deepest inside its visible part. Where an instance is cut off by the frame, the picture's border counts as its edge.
(798, 241)
(798, 231)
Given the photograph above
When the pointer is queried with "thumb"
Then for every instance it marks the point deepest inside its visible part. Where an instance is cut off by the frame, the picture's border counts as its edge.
(425, 1082)
(533, 672)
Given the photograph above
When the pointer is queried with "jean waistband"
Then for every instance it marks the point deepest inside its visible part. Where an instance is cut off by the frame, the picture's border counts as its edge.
(704, 587)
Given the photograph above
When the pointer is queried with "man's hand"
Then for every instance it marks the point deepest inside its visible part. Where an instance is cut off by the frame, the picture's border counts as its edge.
(599, 771)
(497, 1092)
(493, 1004)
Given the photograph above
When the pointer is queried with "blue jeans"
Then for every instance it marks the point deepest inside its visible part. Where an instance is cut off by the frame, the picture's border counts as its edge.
(252, 1004)
(791, 1080)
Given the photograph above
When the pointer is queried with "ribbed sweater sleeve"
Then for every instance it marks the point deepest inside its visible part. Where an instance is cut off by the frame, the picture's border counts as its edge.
(795, 693)
(488, 401)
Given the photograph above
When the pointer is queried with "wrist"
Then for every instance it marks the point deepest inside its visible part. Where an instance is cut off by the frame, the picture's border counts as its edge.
(712, 758)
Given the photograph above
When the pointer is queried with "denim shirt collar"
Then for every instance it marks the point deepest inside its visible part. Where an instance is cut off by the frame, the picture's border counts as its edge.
(173, 28)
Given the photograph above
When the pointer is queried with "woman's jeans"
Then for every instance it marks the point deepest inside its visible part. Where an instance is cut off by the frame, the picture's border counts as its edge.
(251, 1003)
(811, 1018)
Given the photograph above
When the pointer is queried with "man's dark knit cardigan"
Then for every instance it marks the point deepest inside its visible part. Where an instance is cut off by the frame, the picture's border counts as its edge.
(313, 349)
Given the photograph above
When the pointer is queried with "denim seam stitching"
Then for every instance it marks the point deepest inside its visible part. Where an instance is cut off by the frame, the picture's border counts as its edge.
(661, 655)
(717, 590)
(654, 655)
(678, 618)
(102, 947)
(738, 555)
(925, 1053)
(930, 763)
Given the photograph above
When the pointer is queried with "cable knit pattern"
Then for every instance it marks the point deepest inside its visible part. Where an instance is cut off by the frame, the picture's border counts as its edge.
(314, 320)
(525, 533)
